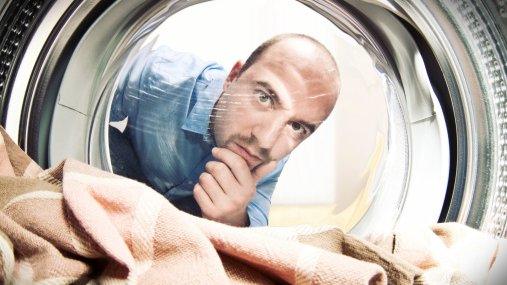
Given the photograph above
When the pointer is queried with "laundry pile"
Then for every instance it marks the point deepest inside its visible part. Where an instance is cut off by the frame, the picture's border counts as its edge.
(77, 224)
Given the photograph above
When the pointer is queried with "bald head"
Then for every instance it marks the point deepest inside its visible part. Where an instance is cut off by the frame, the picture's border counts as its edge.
(310, 53)
(295, 38)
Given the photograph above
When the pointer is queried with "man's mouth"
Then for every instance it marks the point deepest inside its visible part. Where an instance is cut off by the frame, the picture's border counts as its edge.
(251, 159)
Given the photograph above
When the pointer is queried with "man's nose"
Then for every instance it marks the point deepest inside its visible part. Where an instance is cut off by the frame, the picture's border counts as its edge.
(268, 131)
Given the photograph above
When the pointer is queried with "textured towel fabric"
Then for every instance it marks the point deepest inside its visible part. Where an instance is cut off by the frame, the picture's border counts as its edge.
(13, 161)
(76, 224)
(449, 253)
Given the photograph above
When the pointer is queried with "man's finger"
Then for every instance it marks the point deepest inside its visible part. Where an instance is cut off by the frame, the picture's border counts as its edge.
(202, 199)
(263, 170)
(212, 188)
(235, 162)
(222, 174)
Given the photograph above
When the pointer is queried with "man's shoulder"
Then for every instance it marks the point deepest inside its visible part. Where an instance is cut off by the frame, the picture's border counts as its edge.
(173, 66)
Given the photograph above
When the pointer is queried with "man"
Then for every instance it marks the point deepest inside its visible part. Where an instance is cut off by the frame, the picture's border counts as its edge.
(215, 144)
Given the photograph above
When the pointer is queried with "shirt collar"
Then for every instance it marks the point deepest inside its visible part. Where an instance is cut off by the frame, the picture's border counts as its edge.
(207, 91)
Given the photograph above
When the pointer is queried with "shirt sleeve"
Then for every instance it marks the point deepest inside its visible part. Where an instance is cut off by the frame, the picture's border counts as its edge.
(160, 77)
(127, 92)
(258, 208)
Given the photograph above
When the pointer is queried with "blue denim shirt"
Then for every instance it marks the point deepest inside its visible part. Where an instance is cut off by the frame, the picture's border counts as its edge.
(167, 98)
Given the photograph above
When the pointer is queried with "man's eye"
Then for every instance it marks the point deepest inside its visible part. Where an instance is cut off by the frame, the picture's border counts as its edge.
(298, 128)
(263, 97)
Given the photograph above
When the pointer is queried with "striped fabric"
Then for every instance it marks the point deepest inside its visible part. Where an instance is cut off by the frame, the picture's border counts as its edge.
(77, 224)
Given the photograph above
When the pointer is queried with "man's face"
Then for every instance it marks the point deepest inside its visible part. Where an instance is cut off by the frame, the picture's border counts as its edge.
(265, 112)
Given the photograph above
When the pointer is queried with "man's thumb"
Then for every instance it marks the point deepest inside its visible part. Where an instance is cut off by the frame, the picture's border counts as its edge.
(263, 170)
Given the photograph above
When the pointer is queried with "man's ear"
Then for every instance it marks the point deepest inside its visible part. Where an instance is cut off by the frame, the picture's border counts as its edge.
(234, 73)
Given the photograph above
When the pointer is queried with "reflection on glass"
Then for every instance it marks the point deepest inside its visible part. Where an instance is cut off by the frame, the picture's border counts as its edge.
(172, 107)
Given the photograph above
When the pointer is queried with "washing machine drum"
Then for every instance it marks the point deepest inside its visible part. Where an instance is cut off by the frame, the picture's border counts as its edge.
(418, 134)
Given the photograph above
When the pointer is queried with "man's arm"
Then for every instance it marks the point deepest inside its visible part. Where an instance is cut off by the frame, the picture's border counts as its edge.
(227, 186)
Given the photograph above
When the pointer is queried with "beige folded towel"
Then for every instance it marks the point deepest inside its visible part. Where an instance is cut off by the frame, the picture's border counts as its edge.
(76, 224)
(449, 253)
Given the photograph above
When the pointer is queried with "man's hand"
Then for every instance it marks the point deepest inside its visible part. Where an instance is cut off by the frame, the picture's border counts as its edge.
(227, 186)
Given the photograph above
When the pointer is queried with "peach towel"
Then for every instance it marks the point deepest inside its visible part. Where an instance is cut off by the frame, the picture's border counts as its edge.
(77, 224)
